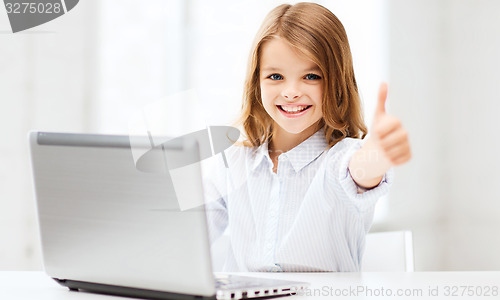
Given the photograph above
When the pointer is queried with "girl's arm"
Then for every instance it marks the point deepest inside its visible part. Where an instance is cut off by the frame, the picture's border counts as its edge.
(387, 146)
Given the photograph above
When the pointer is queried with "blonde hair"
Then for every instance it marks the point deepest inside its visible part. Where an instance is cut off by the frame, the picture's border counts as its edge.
(317, 33)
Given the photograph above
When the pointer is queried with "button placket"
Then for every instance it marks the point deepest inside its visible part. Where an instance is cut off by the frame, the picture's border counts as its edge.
(272, 222)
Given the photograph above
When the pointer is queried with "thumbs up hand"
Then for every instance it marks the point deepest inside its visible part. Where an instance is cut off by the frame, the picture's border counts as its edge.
(387, 146)
(388, 133)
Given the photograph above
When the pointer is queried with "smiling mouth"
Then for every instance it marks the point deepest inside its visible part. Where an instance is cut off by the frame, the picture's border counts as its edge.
(295, 109)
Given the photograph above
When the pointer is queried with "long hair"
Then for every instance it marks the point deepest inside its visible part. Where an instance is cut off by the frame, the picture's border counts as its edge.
(316, 33)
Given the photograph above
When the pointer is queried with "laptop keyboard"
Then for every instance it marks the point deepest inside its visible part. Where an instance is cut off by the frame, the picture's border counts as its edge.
(234, 283)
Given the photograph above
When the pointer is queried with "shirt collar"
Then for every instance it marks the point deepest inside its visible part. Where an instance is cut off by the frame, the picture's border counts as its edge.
(261, 153)
(300, 156)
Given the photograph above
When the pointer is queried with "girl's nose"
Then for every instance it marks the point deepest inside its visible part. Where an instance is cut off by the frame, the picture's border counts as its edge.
(291, 92)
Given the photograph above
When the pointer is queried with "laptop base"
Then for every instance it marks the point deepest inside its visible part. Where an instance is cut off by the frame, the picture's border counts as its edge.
(125, 291)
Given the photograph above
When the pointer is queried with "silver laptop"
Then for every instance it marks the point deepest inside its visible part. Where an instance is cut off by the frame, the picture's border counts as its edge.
(112, 220)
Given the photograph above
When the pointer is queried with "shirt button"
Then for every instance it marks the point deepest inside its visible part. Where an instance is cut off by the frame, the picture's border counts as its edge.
(276, 268)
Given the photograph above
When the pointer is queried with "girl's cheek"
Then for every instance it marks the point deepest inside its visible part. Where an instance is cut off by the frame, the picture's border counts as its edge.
(266, 93)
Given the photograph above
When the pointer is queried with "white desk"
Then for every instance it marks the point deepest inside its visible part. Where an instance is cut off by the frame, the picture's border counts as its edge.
(422, 285)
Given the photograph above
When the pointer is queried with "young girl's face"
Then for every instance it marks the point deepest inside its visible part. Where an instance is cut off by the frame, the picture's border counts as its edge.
(291, 87)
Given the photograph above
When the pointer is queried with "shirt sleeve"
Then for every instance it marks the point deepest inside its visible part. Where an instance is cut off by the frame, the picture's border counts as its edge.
(338, 171)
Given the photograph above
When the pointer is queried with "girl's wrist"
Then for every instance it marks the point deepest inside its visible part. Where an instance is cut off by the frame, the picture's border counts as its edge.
(368, 165)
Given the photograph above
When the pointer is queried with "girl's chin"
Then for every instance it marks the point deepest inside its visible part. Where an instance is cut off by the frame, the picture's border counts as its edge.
(294, 129)
(297, 127)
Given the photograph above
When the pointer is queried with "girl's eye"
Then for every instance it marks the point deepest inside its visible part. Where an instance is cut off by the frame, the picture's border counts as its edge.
(312, 77)
(275, 77)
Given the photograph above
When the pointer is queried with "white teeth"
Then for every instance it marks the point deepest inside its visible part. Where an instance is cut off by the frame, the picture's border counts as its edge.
(293, 109)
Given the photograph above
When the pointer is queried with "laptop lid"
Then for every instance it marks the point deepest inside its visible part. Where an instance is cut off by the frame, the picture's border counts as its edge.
(106, 217)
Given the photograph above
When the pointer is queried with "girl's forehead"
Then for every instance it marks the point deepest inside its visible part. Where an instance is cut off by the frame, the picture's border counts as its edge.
(277, 53)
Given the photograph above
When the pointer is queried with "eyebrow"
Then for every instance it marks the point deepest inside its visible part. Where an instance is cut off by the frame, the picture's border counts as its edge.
(274, 69)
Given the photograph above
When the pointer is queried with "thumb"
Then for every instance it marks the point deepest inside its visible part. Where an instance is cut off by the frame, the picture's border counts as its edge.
(382, 96)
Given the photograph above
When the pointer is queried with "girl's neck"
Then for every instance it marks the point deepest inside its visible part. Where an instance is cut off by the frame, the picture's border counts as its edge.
(283, 141)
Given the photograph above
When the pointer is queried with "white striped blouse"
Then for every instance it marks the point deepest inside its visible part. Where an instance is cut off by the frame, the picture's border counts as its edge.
(309, 216)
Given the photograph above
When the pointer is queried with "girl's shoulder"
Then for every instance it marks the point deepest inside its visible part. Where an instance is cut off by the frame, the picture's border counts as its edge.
(348, 142)
(238, 151)
(345, 147)
(235, 155)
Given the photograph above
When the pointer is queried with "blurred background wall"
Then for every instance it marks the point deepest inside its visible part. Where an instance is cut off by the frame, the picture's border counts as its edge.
(445, 75)
(91, 69)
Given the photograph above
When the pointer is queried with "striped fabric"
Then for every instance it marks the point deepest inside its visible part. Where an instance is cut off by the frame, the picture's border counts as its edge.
(310, 216)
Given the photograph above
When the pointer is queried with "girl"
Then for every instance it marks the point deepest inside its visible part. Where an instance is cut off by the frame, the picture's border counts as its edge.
(299, 194)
